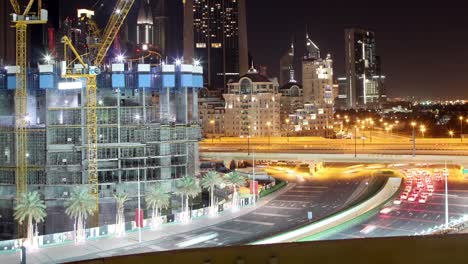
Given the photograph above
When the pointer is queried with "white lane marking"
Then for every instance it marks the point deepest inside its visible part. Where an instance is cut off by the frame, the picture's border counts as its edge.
(270, 214)
(281, 207)
(254, 222)
(231, 231)
(197, 240)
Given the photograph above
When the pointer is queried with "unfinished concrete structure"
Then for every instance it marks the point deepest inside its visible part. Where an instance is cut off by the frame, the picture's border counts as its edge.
(148, 125)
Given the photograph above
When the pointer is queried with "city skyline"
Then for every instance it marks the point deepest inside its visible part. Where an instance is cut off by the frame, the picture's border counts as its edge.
(414, 48)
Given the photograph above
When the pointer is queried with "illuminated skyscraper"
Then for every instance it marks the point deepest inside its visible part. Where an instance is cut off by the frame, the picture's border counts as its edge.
(317, 76)
(215, 33)
(287, 65)
(363, 72)
(145, 33)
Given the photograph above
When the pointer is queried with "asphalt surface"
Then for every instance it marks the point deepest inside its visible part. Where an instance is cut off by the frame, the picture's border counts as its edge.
(408, 218)
(285, 212)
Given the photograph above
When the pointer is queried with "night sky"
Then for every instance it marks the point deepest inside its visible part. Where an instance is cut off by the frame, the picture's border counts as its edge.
(424, 46)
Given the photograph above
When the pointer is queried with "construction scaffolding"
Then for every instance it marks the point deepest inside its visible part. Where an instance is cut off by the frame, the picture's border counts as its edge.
(152, 129)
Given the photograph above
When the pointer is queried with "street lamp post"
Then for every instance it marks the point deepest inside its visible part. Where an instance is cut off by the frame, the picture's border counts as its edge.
(212, 122)
(355, 141)
(139, 205)
(269, 132)
(253, 177)
(446, 197)
(413, 124)
(287, 128)
(461, 128)
(137, 118)
(451, 134)
(363, 137)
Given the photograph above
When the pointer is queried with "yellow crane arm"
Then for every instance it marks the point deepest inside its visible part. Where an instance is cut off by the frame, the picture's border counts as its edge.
(68, 44)
(28, 8)
(113, 27)
(15, 5)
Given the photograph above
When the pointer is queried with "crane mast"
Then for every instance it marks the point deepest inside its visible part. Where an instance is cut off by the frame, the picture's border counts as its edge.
(20, 22)
(89, 74)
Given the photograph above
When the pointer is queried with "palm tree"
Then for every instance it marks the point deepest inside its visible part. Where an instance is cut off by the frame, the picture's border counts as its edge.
(156, 199)
(209, 181)
(120, 199)
(30, 207)
(187, 187)
(81, 205)
(235, 180)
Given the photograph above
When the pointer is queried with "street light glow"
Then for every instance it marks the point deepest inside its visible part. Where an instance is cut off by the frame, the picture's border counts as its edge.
(47, 58)
(120, 58)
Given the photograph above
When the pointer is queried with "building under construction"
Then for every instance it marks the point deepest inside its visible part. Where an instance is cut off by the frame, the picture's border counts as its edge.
(148, 126)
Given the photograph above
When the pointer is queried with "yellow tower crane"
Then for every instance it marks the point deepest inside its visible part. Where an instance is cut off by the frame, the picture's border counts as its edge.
(89, 73)
(21, 20)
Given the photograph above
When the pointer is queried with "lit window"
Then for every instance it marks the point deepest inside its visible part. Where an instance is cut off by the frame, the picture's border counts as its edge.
(201, 45)
(216, 45)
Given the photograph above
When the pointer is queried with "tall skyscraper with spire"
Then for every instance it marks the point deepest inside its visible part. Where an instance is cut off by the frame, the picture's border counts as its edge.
(287, 65)
(215, 32)
(317, 76)
(152, 26)
(312, 50)
(145, 33)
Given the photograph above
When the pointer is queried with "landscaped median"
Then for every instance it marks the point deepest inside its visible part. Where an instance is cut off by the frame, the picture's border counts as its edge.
(388, 191)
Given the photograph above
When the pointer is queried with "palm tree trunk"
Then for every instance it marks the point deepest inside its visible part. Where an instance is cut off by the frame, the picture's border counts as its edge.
(30, 231)
(212, 196)
(181, 203)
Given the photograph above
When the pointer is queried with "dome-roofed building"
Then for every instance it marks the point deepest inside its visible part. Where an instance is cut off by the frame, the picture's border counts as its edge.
(252, 106)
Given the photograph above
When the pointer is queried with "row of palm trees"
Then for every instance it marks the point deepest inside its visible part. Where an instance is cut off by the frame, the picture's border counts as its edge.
(81, 205)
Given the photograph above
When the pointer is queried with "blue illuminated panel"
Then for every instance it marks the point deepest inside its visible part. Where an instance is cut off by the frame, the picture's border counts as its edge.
(186, 80)
(144, 80)
(168, 80)
(11, 82)
(46, 81)
(197, 81)
(118, 80)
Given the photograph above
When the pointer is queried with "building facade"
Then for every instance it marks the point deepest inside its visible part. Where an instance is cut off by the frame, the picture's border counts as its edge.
(161, 26)
(317, 80)
(363, 70)
(313, 120)
(341, 100)
(212, 110)
(148, 128)
(252, 107)
(215, 33)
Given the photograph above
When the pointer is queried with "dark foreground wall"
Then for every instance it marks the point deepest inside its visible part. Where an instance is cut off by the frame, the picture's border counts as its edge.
(451, 249)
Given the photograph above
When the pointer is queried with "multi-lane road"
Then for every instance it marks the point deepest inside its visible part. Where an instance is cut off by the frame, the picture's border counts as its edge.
(407, 218)
(379, 145)
(285, 212)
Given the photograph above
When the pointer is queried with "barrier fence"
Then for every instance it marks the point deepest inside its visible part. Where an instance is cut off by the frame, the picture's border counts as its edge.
(7, 246)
